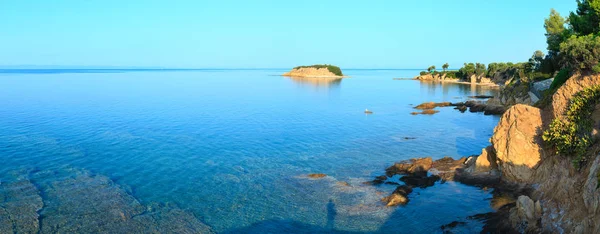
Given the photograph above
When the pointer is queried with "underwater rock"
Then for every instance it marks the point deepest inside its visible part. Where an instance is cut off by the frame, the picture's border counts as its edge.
(20, 202)
(76, 201)
(316, 175)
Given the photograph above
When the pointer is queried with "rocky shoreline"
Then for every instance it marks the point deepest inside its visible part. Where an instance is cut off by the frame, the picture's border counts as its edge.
(441, 77)
(428, 108)
(546, 193)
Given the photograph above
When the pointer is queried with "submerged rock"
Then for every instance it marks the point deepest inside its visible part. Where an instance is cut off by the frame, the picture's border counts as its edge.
(398, 197)
(79, 202)
(316, 175)
(20, 202)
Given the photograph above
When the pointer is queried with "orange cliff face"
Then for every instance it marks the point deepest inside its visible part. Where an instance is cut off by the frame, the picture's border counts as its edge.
(311, 72)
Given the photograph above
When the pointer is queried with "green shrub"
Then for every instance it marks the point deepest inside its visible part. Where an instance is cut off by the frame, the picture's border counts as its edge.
(560, 78)
(452, 74)
(423, 73)
(333, 69)
(572, 135)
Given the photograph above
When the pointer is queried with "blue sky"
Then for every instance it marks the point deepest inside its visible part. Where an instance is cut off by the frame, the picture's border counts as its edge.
(271, 34)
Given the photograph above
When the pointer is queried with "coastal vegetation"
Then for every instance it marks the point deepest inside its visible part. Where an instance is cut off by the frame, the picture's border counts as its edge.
(571, 135)
(333, 69)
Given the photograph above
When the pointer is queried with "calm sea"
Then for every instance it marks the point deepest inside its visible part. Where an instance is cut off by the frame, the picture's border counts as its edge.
(234, 146)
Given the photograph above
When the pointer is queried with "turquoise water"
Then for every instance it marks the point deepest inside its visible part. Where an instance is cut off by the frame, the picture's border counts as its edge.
(234, 146)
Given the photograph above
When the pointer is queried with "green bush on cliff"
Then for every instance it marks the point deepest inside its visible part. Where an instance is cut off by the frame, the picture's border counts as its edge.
(560, 78)
(333, 69)
(572, 134)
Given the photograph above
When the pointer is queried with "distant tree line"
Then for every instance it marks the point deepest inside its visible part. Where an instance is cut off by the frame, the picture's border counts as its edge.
(573, 45)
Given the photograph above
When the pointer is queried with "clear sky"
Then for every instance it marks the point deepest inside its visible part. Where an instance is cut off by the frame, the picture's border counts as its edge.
(271, 34)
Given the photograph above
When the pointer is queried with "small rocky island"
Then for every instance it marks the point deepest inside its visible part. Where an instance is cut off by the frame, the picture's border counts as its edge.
(316, 71)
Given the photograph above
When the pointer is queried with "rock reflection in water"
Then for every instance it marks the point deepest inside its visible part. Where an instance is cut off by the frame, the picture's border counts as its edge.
(76, 201)
(317, 81)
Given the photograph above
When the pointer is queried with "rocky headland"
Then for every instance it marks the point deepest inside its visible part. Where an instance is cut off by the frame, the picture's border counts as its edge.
(316, 71)
(527, 161)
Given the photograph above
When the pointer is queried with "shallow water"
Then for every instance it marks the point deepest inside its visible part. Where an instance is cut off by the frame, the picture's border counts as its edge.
(233, 147)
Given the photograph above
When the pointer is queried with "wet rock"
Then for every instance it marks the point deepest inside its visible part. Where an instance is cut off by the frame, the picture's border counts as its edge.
(395, 200)
(517, 141)
(432, 105)
(398, 197)
(20, 202)
(316, 175)
(494, 110)
(446, 167)
(478, 106)
(343, 183)
(420, 180)
(410, 166)
(461, 108)
(447, 228)
(496, 222)
(377, 181)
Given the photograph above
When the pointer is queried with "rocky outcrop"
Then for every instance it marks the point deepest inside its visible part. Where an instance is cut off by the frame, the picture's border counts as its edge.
(311, 72)
(516, 142)
(432, 105)
(575, 84)
(410, 166)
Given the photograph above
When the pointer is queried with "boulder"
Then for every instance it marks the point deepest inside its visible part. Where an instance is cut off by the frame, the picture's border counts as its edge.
(517, 141)
(486, 161)
(410, 166)
(538, 87)
(394, 200)
(526, 214)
